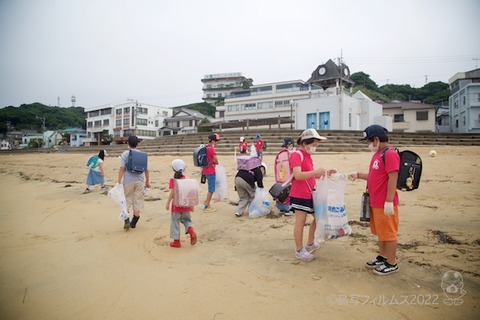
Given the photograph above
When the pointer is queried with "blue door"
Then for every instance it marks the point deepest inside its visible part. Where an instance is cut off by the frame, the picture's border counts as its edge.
(324, 120)
(311, 120)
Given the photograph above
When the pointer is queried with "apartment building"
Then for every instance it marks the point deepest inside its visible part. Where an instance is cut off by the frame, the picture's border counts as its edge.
(217, 86)
(116, 122)
(464, 103)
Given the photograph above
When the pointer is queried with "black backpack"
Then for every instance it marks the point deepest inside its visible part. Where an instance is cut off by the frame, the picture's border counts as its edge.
(410, 170)
(264, 145)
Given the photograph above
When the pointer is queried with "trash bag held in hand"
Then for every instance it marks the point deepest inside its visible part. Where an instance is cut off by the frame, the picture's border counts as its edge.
(260, 205)
(337, 225)
(221, 186)
(320, 195)
(117, 193)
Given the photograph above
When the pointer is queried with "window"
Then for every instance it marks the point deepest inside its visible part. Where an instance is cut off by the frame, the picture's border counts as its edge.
(464, 100)
(165, 113)
(249, 106)
(118, 111)
(142, 122)
(98, 123)
(464, 121)
(233, 108)
(125, 122)
(398, 118)
(422, 115)
(126, 110)
(106, 122)
(265, 105)
(118, 123)
(142, 110)
(90, 124)
(106, 111)
(478, 97)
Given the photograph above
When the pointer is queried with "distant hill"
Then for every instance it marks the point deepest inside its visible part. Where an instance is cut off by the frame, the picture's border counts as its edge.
(25, 117)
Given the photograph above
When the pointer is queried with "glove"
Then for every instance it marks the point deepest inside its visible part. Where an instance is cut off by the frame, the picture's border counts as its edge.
(353, 176)
(388, 208)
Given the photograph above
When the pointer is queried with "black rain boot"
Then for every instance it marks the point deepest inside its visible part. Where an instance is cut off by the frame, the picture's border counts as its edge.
(126, 224)
(133, 224)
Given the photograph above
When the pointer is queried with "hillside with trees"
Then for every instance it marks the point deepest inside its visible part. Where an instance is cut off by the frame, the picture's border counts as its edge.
(25, 117)
(435, 93)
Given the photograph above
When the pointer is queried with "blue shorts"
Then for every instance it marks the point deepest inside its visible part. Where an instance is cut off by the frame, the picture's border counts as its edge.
(260, 154)
(211, 178)
(302, 204)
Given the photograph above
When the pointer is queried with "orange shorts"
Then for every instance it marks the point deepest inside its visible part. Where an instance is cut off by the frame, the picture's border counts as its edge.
(385, 227)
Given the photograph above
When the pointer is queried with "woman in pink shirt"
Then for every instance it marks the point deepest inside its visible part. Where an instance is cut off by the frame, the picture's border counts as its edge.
(303, 184)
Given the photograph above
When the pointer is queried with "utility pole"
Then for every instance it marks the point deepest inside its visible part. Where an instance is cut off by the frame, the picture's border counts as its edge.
(43, 128)
(476, 59)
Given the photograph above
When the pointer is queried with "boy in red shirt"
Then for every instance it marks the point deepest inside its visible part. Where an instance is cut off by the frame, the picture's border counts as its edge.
(259, 146)
(209, 170)
(382, 179)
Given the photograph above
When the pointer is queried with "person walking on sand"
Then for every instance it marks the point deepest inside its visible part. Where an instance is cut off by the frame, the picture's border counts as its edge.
(179, 214)
(209, 170)
(303, 183)
(96, 173)
(134, 182)
(243, 145)
(259, 146)
(382, 179)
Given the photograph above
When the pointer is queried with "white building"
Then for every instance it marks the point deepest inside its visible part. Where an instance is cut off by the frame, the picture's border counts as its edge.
(464, 103)
(411, 116)
(218, 86)
(122, 120)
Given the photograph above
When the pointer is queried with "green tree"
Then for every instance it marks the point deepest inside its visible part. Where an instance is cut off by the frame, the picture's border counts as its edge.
(362, 79)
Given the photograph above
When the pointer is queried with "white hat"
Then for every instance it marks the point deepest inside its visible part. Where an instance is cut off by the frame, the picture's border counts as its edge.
(178, 165)
(311, 133)
(242, 139)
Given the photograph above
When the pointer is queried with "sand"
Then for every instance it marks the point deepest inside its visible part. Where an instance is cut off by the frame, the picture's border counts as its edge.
(65, 255)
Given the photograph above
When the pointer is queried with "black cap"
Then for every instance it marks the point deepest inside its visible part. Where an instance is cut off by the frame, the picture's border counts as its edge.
(214, 137)
(133, 141)
(287, 142)
(374, 131)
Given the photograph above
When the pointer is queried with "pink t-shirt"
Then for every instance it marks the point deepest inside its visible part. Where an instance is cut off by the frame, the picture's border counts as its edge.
(259, 145)
(378, 177)
(210, 169)
(302, 188)
(174, 208)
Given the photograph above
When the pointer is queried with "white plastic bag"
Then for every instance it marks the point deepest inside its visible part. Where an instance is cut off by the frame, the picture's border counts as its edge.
(253, 151)
(337, 225)
(117, 193)
(320, 195)
(330, 211)
(260, 205)
(221, 186)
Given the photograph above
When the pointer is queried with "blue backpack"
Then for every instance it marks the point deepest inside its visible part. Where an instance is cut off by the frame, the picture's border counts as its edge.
(137, 161)
(200, 156)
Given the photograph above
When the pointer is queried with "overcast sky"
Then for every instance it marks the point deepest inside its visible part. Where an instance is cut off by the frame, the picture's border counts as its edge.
(157, 51)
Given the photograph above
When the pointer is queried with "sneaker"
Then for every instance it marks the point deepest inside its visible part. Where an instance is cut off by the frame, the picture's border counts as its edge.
(312, 247)
(87, 190)
(193, 236)
(386, 269)
(375, 263)
(175, 244)
(304, 255)
(238, 214)
(209, 209)
(126, 225)
(104, 188)
(289, 213)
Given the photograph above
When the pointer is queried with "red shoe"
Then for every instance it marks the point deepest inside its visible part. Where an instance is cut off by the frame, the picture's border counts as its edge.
(175, 244)
(193, 236)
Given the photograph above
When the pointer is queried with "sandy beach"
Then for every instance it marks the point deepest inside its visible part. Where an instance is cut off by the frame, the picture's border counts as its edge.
(65, 255)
